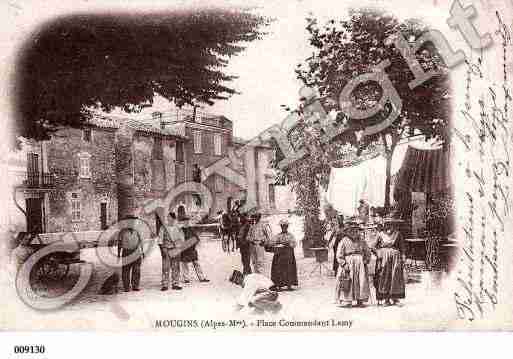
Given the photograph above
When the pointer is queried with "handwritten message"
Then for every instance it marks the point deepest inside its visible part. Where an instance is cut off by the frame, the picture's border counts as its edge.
(486, 136)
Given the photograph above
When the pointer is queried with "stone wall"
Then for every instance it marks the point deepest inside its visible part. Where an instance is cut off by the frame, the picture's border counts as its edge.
(142, 176)
(62, 160)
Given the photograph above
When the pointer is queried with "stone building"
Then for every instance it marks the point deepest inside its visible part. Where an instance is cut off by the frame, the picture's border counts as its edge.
(70, 180)
(86, 179)
(149, 163)
(211, 142)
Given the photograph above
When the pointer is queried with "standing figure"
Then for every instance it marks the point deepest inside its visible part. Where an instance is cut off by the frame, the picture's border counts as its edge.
(234, 225)
(363, 211)
(335, 238)
(258, 237)
(243, 243)
(131, 251)
(334, 241)
(389, 278)
(283, 268)
(190, 254)
(331, 223)
(225, 230)
(353, 255)
(170, 238)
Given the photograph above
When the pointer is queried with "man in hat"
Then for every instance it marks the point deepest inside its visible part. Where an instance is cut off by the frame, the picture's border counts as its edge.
(256, 293)
(170, 237)
(243, 243)
(131, 251)
(258, 237)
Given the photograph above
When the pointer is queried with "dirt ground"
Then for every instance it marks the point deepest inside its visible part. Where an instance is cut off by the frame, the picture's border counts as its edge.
(313, 299)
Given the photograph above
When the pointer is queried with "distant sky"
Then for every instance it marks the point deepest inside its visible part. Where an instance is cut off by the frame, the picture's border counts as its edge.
(265, 69)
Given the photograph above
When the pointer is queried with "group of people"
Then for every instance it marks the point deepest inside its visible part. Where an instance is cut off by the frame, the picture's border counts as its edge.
(351, 264)
(255, 238)
(177, 242)
(352, 256)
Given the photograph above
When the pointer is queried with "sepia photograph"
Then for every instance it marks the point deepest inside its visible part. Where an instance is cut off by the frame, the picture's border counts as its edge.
(298, 166)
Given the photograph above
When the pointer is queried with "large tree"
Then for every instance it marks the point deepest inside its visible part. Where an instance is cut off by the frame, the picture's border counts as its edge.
(79, 63)
(346, 49)
(306, 177)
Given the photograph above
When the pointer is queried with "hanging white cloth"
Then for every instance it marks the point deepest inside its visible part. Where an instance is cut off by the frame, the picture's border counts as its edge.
(365, 181)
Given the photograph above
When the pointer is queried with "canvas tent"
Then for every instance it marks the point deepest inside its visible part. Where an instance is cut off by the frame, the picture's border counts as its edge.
(425, 168)
(425, 174)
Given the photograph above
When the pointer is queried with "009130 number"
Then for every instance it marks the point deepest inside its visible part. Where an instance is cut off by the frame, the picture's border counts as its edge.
(29, 349)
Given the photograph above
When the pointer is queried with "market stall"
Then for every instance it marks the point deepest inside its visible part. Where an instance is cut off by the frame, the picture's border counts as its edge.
(423, 194)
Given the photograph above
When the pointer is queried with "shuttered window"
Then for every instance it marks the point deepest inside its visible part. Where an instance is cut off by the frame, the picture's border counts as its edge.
(197, 141)
(218, 144)
(84, 164)
(76, 207)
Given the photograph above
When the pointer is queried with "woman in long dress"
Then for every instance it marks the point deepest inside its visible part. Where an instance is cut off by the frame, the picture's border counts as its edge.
(353, 255)
(389, 278)
(283, 268)
(335, 238)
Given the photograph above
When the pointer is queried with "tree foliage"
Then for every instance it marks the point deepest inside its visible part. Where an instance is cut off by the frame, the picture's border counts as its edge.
(82, 62)
(306, 177)
(348, 48)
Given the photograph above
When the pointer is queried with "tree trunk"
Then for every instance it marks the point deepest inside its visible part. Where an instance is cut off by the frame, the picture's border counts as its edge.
(311, 217)
(388, 180)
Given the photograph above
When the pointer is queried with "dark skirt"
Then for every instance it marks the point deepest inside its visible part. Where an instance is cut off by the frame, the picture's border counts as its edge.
(189, 255)
(389, 282)
(284, 269)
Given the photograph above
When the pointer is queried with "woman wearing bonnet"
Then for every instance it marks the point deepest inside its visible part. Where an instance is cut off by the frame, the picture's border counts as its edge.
(353, 255)
(390, 252)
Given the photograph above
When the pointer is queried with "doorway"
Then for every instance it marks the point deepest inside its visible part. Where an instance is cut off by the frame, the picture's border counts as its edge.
(34, 215)
(103, 215)
(33, 169)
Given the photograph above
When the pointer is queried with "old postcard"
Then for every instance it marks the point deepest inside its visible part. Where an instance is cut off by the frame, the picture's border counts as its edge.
(173, 166)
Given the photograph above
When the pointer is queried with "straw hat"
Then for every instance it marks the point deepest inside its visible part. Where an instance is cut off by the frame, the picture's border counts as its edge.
(284, 222)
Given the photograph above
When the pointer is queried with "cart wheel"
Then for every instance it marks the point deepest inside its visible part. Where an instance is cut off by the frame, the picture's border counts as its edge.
(50, 269)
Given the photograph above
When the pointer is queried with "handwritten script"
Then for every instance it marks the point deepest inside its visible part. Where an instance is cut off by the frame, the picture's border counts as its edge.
(487, 141)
